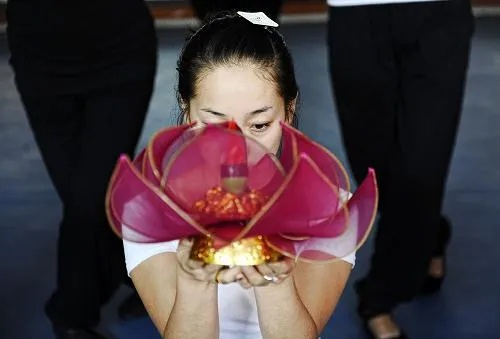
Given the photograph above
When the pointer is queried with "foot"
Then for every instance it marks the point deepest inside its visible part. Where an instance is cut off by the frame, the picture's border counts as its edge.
(64, 332)
(132, 308)
(436, 268)
(383, 326)
(80, 333)
(435, 277)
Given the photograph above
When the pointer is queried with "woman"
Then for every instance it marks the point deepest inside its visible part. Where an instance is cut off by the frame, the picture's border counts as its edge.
(85, 73)
(232, 69)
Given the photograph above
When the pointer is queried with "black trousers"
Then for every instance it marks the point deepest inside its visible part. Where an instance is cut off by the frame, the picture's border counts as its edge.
(271, 8)
(398, 74)
(80, 137)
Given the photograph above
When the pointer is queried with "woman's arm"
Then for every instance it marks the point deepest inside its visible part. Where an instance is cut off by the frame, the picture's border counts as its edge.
(302, 304)
(179, 305)
(195, 312)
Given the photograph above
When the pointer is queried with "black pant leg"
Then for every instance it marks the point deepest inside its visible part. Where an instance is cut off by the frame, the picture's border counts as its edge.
(118, 125)
(90, 256)
(365, 83)
(401, 123)
(80, 138)
(56, 124)
(364, 80)
(432, 46)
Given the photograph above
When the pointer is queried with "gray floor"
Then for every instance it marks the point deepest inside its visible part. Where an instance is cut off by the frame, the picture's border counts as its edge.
(468, 307)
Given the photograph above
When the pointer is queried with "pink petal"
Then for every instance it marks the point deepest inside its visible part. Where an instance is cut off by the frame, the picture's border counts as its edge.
(159, 145)
(141, 212)
(362, 209)
(322, 157)
(196, 168)
(305, 205)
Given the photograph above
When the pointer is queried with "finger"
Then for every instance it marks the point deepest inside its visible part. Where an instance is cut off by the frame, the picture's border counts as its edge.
(243, 281)
(196, 270)
(194, 264)
(200, 270)
(282, 267)
(185, 244)
(228, 275)
(184, 250)
(202, 275)
(209, 273)
(253, 276)
(194, 274)
(210, 269)
(267, 273)
(215, 276)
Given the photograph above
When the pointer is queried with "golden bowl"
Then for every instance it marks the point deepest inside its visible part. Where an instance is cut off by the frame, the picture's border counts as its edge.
(244, 252)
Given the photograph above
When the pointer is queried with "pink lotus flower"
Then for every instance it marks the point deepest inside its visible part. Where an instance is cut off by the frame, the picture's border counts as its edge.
(306, 209)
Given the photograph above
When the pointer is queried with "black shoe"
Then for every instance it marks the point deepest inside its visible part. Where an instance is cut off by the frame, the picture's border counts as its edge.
(81, 333)
(432, 284)
(132, 308)
(64, 332)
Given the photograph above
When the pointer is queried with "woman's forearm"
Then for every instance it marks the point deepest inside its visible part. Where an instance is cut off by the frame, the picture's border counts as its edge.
(195, 311)
(282, 314)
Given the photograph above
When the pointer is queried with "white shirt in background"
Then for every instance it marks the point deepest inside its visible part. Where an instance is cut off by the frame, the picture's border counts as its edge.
(340, 3)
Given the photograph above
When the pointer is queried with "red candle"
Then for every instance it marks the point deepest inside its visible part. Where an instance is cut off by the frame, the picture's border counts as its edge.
(234, 171)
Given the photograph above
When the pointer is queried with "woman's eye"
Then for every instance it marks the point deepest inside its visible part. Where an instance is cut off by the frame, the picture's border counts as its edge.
(260, 127)
(212, 120)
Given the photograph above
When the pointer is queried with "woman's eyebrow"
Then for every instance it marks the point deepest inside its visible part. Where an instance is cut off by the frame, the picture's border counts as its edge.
(255, 112)
(208, 110)
(260, 110)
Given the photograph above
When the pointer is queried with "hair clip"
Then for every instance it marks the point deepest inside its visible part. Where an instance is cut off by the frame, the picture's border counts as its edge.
(258, 18)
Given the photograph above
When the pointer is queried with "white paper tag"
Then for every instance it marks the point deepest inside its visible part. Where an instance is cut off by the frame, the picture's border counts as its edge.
(258, 18)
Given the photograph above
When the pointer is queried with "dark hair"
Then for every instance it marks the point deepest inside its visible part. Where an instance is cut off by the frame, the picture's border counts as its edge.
(227, 38)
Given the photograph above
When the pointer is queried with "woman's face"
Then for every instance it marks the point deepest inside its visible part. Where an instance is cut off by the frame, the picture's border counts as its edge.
(242, 94)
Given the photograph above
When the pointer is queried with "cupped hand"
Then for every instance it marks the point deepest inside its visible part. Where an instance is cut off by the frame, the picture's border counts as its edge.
(246, 276)
(200, 271)
(265, 274)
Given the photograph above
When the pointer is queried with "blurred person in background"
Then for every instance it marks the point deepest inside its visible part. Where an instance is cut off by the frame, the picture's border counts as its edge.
(85, 73)
(398, 71)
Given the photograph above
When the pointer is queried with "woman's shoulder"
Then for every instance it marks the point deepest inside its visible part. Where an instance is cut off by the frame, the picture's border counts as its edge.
(136, 253)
